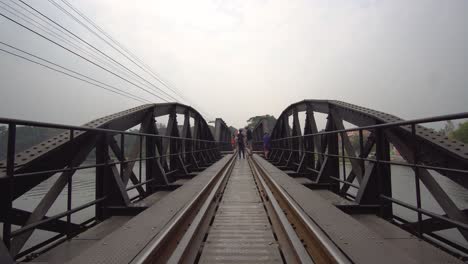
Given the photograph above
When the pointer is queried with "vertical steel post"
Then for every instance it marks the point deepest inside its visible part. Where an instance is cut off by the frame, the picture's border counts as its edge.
(69, 184)
(150, 161)
(197, 156)
(122, 153)
(417, 182)
(7, 196)
(102, 154)
(361, 149)
(173, 141)
(141, 157)
(384, 181)
(296, 142)
(343, 157)
(309, 144)
(333, 164)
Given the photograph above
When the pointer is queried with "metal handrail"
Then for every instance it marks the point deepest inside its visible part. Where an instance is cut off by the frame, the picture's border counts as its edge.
(282, 146)
(55, 217)
(426, 212)
(202, 146)
(107, 164)
(412, 165)
(91, 129)
(386, 125)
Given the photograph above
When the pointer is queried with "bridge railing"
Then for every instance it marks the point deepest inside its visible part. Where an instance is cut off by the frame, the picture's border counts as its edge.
(338, 165)
(161, 160)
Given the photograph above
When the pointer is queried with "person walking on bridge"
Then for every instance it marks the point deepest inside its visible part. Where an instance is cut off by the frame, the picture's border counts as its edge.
(241, 143)
(233, 141)
(266, 144)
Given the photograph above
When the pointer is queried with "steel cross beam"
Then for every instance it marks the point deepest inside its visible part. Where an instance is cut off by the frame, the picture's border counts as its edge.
(320, 154)
(65, 153)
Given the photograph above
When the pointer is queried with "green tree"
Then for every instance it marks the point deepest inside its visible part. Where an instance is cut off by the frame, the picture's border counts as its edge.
(253, 121)
(461, 133)
(232, 130)
(448, 128)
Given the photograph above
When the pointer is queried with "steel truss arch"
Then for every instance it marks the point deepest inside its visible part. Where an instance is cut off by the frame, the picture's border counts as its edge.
(177, 153)
(317, 155)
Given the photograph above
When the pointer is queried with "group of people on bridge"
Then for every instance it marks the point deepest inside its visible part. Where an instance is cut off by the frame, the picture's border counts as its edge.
(243, 139)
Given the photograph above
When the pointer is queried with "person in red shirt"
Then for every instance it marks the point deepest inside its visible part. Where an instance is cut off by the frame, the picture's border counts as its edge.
(233, 142)
(266, 144)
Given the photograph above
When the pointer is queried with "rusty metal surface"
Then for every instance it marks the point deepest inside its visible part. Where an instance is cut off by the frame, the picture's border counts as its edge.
(357, 241)
(241, 232)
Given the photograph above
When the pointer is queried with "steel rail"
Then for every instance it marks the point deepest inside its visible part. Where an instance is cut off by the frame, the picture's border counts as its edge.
(301, 254)
(151, 250)
(180, 254)
(329, 250)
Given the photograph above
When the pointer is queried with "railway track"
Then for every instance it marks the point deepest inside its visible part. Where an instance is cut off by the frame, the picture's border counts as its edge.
(241, 216)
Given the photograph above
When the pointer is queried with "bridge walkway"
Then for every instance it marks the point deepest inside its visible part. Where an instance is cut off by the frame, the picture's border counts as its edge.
(241, 231)
(242, 226)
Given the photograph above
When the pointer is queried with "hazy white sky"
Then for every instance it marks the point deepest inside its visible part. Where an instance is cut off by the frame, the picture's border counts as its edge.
(237, 59)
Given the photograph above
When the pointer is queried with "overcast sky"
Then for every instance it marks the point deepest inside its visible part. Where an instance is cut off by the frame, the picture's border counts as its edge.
(237, 59)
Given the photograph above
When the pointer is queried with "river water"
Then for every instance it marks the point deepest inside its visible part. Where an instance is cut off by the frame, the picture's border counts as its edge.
(83, 191)
(403, 188)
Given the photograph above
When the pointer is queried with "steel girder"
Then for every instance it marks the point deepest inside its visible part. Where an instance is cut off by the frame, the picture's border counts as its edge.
(257, 134)
(167, 157)
(373, 179)
(262, 127)
(434, 149)
(55, 153)
(223, 134)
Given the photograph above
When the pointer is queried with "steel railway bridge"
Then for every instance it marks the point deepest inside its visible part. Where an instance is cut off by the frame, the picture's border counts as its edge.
(181, 195)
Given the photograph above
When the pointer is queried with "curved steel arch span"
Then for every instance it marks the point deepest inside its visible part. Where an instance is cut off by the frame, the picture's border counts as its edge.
(56, 153)
(177, 153)
(434, 149)
(317, 156)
